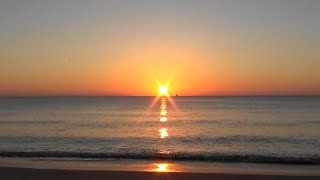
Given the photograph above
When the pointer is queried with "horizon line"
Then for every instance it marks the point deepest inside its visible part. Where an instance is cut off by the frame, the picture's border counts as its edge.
(252, 95)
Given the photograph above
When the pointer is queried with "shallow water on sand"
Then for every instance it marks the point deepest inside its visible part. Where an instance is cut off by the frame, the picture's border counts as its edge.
(160, 166)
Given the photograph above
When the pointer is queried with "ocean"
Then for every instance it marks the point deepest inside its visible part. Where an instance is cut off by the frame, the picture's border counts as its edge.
(266, 130)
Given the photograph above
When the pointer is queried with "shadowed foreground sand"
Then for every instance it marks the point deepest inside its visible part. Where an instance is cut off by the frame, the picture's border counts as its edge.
(35, 174)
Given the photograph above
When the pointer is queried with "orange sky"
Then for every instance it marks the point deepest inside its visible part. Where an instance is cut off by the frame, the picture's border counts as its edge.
(214, 48)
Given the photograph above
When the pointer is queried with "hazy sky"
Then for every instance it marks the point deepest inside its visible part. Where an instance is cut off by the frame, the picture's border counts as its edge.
(226, 47)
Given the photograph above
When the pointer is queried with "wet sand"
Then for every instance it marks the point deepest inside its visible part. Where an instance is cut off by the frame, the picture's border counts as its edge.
(48, 174)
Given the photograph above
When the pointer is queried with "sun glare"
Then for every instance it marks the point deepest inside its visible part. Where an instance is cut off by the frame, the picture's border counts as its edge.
(163, 90)
(163, 119)
(162, 167)
(163, 133)
(163, 112)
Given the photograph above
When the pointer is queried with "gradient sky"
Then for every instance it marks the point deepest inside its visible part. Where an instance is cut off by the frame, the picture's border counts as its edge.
(226, 47)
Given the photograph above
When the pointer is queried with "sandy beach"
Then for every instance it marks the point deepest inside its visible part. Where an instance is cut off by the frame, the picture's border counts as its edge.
(35, 174)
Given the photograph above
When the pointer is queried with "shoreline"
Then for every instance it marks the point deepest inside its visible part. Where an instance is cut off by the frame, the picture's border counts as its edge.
(128, 165)
(10, 173)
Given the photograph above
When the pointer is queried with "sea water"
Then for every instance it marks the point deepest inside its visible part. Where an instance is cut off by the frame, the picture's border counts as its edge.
(272, 130)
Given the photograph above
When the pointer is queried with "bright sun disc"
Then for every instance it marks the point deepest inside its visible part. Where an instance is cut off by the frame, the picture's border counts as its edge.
(163, 90)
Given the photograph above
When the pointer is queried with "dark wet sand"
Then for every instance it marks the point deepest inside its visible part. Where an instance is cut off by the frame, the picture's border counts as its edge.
(35, 174)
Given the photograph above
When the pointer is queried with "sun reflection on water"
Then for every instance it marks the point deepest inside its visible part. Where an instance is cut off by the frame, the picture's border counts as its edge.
(163, 112)
(163, 118)
(163, 133)
(162, 167)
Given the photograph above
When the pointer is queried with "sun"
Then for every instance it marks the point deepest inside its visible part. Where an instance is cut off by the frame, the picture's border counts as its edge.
(163, 90)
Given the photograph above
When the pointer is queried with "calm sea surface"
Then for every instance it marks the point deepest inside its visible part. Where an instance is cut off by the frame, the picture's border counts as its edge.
(219, 129)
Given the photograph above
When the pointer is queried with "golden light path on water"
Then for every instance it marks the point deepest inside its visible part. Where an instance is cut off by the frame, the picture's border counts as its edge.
(163, 133)
(162, 167)
(163, 118)
(163, 130)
